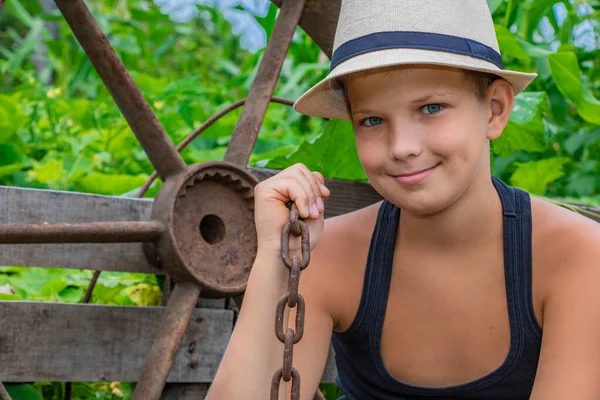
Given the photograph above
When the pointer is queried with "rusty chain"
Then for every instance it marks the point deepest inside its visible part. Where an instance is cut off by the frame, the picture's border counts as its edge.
(292, 299)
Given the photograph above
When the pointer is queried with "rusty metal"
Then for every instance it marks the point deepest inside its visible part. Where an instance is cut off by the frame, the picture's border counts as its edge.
(294, 282)
(279, 318)
(246, 130)
(129, 99)
(167, 341)
(285, 244)
(204, 127)
(277, 379)
(209, 237)
(92, 232)
(292, 299)
(91, 286)
(179, 148)
(319, 19)
(3, 393)
(288, 355)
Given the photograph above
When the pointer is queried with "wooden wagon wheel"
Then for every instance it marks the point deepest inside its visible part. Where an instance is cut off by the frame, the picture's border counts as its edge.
(202, 219)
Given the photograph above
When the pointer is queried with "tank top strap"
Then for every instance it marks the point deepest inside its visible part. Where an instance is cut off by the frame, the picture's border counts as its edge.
(378, 269)
(516, 208)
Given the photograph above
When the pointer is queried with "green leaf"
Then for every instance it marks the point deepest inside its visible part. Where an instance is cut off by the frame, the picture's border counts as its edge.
(17, 9)
(582, 185)
(261, 160)
(494, 5)
(580, 140)
(148, 83)
(7, 170)
(535, 176)
(51, 171)
(509, 44)
(10, 297)
(71, 295)
(333, 153)
(19, 391)
(10, 154)
(52, 288)
(567, 75)
(110, 184)
(144, 294)
(533, 50)
(525, 128)
(11, 118)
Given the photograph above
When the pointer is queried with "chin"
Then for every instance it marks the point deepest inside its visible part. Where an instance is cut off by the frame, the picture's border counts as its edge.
(420, 207)
(429, 200)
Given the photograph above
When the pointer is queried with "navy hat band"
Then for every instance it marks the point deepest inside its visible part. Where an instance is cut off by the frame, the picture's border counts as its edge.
(415, 40)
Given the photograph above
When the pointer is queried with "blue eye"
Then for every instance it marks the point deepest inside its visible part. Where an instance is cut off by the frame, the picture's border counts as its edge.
(431, 109)
(372, 121)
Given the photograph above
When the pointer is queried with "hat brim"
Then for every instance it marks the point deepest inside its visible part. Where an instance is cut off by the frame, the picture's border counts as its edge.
(326, 101)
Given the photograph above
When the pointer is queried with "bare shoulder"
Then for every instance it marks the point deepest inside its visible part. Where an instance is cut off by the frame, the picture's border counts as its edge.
(564, 242)
(561, 231)
(337, 266)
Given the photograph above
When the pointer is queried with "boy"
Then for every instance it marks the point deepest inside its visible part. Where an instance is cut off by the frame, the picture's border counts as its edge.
(443, 289)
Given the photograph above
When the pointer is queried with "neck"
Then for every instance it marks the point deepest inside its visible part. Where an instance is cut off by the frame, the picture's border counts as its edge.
(473, 220)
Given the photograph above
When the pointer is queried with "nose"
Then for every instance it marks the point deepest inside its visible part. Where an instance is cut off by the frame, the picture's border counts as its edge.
(404, 142)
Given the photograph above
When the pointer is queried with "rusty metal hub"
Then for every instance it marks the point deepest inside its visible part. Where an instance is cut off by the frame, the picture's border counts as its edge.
(209, 235)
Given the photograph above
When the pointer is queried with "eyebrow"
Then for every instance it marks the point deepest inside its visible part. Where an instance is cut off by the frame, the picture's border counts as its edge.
(429, 96)
(363, 111)
(416, 101)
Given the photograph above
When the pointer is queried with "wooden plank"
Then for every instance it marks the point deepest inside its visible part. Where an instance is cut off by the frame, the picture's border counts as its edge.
(87, 343)
(36, 206)
(31, 206)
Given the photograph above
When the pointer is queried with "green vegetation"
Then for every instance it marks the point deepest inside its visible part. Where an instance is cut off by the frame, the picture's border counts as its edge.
(60, 130)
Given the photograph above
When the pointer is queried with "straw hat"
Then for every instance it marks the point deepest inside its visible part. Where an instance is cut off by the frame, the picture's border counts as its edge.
(381, 33)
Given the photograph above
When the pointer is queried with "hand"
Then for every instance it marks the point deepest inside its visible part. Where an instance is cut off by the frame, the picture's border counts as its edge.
(297, 183)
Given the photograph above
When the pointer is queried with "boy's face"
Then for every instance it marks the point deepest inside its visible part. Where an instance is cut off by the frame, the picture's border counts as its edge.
(413, 119)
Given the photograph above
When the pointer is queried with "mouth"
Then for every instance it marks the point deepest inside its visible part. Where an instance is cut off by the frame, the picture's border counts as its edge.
(412, 178)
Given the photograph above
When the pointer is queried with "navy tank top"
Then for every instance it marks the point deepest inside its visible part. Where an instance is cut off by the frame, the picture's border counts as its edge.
(362, 373)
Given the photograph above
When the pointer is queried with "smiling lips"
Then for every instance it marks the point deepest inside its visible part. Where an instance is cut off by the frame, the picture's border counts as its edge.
(414, 177)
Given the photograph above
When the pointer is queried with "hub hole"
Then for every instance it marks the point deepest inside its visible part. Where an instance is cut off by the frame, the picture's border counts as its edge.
(212, 229)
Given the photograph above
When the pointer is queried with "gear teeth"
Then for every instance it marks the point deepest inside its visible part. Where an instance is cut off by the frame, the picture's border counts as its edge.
(231, 180)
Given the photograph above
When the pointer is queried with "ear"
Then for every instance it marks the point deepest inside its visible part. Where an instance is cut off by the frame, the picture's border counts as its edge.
(500, 100)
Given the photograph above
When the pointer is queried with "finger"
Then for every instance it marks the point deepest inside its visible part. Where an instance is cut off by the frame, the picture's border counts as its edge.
(325, 192)
(320, 177)
(318, 206)
(304, 180)
(293, 188)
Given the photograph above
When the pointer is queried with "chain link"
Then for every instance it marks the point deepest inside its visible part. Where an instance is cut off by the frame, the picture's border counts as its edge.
(292, 299)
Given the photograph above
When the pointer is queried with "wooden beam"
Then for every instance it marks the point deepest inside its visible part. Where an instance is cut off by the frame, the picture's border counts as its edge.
(30, 206)
(86, 343)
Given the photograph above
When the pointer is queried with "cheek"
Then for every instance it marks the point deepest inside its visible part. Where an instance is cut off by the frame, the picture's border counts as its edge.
(369, 153)
(459, 139)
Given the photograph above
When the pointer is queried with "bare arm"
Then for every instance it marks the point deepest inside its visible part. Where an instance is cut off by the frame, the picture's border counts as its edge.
(569, 363)
(254, 353)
